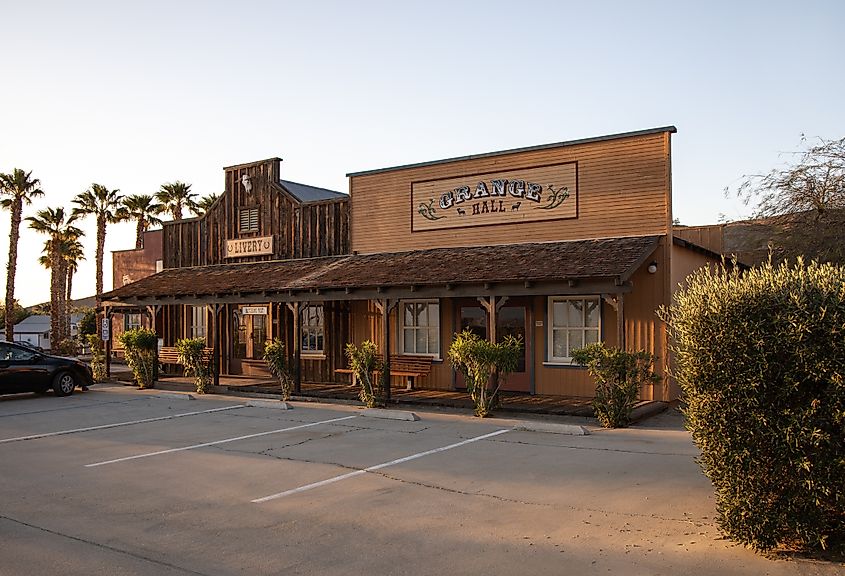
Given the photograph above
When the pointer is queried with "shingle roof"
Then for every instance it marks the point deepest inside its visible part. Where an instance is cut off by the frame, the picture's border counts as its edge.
(306, 193)
(608, 258)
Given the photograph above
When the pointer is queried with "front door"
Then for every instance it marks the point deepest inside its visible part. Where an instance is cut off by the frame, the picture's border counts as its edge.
(511, 319)
(249, 337)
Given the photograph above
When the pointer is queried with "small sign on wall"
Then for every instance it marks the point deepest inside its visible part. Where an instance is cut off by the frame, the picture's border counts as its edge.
(244, 247)
(254, 310)
(105, 329)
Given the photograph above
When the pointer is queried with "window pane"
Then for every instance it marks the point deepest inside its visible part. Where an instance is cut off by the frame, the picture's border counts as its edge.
(433, 340)
(591, 336)
(576, 340)
(422, 341)
(559, 344)
(575, 316)
(593, 311)
(408, 317)
(408, 341)
(559, 313)
(434, 314)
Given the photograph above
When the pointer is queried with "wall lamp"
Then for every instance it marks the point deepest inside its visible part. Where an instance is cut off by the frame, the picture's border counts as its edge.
(652, 267)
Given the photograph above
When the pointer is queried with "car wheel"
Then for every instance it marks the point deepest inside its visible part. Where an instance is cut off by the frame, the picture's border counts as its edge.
(64, 383)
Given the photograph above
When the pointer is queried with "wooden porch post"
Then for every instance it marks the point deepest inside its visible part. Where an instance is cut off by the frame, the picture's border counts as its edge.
(620, 320)
(297, 377)
(385, 306)
(152, 312)
(215, 339)
(107, 316)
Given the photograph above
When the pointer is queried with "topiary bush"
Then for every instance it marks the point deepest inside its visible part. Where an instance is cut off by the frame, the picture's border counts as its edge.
(277, 362)
(619, 375)
(98, 357)
(191, 352)
(760, 357)
(141, 349)
(485, 366)
(364, 361)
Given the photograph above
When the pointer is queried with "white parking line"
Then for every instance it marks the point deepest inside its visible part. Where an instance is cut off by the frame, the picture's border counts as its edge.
(204, 444)
(377, 467)
(118, 424)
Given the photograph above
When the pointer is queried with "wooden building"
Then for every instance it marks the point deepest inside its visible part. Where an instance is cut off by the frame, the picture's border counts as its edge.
(562, 244)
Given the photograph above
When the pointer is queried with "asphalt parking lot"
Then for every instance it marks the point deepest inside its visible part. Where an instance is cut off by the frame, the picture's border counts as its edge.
(121, 481)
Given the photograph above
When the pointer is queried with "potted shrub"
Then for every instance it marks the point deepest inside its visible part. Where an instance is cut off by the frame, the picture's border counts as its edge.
(191, 352)
(485, 366)
(277, 362)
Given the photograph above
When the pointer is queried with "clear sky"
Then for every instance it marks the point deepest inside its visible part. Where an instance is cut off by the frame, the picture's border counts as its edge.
(135, 94)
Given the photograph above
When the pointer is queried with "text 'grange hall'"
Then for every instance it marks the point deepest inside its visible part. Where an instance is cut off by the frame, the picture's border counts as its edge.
(562, 244)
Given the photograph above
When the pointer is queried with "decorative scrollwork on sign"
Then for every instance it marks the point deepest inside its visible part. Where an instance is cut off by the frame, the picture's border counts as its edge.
(428, 211)
(556, 197)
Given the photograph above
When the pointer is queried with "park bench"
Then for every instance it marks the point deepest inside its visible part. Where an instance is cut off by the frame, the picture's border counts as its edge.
(408, 367)
(169, 355)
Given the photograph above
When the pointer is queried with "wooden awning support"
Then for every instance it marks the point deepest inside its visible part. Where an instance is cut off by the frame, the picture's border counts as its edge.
(297, 372)
(215, 341)
(385, 306)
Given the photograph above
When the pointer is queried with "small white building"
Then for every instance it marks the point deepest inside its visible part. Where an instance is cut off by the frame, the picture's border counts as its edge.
(35, 330)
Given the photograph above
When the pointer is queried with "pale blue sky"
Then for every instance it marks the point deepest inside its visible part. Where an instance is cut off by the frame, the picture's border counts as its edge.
(131, 95)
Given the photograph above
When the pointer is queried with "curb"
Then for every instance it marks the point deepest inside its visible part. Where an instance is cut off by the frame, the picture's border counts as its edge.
(180, 395)
(647, 411)
(552, 428)
(390, 414)
(277, 404)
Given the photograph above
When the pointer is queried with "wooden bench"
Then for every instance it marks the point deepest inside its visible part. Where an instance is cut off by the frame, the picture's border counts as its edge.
(169, 355)
(409, 367)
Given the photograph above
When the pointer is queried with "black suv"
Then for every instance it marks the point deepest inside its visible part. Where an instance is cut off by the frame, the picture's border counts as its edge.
(23, 369)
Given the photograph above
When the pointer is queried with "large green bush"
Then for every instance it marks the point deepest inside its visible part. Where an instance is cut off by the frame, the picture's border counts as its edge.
(98, 357)
(485, 366)
(364, 361)
(191, 355)
(141, 349)
(277, 362)
(760, 356)
(619, 375)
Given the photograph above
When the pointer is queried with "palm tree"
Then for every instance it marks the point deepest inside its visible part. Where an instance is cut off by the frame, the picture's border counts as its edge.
(203, 204)
(106, 206)
(71, 251)
(175, 196)
(58, 226)
(21, 188)
(143, 209)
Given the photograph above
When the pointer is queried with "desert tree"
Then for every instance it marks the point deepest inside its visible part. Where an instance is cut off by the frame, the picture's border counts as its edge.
(106, 206)
(144, 210)
(202, 205)
(16, 189)
(58, 226)
(176, 196)
(804, 200)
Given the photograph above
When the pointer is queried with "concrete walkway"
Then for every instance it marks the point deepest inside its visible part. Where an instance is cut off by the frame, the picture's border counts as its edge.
(511, 403)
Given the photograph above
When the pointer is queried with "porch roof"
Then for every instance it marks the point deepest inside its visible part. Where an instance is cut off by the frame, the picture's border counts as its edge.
(581, 266)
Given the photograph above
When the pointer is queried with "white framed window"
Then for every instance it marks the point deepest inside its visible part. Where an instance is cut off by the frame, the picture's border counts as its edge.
(312, 330)
(248, 220)
(198, 322)
(420, 327)
(131, 321)
(573, 323)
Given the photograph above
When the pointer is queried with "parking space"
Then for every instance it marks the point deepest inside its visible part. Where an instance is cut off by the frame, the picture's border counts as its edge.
(140, 482)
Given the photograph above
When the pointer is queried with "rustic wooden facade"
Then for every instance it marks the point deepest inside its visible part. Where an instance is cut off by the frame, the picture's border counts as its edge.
(519, 241)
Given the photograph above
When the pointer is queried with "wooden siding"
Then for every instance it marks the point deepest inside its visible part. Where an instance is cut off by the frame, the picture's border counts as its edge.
(623, 190)
(299, 230)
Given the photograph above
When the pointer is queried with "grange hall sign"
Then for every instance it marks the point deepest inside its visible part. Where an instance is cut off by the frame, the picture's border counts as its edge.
(531, 195)
(244, 247)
